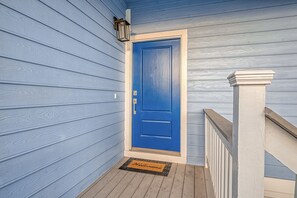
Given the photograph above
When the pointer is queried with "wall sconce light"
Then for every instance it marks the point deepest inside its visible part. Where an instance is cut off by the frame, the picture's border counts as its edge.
(122, 28)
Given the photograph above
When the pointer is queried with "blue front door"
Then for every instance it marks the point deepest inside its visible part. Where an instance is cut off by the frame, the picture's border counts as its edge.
(156, 95)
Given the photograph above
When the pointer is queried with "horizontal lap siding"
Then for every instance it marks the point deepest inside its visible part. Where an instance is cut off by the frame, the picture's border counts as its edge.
(60, 68)
(224, 36)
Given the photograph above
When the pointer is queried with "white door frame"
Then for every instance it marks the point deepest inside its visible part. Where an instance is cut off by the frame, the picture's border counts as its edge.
(183, 36)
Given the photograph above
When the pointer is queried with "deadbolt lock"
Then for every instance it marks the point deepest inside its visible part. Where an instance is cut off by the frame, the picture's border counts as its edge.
(134, 92)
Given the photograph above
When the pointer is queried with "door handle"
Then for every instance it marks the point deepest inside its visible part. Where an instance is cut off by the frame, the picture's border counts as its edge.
(134, 105)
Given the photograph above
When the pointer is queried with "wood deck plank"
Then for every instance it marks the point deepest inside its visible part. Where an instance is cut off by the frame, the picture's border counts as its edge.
(208, 184)
(102, 181)
(182, 181)
(143, 187)
(189, 183)
(154, 187)
(100, 184)
(132, 187)
(116, 192)
(200, 187)
(111, 185)
(178, 183)
(167, 183)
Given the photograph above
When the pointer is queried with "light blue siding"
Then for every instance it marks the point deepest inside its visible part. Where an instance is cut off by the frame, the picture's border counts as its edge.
(224, 36)
(60, 66)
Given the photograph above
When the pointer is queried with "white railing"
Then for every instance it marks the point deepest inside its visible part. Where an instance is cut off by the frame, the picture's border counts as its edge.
(218, 153)
(234, 153)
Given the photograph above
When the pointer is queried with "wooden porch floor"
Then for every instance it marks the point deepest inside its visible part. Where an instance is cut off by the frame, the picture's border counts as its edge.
(182, 181)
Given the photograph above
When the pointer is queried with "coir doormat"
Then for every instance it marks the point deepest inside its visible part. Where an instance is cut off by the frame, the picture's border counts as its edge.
(147, 166)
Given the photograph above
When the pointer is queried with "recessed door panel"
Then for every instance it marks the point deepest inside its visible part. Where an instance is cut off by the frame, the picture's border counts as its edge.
(156, 79)
(156, 129)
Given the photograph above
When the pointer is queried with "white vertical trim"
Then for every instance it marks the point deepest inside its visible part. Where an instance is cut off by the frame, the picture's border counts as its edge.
(183, 35)
(128, 96)
(128, 15)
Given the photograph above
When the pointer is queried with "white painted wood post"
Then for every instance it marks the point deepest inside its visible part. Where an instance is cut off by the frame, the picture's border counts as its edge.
(248, 137)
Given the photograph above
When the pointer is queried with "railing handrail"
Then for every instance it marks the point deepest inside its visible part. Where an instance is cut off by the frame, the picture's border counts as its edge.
(222, 124)
(281, 139)
(281, 122)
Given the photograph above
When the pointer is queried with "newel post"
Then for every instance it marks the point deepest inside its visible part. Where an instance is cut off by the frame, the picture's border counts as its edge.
(248, 135)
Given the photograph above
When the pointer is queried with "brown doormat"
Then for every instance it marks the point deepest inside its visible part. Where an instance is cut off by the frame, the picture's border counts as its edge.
(147, 166)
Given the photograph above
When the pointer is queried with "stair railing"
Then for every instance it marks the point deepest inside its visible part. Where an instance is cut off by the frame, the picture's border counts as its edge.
(236, 164)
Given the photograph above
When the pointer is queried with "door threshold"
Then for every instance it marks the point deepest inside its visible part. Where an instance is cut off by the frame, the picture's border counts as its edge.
(159, 155)
(155, 151)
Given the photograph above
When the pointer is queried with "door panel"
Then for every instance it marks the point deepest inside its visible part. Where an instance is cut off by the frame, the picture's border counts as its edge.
(156, 83)
(156, 80)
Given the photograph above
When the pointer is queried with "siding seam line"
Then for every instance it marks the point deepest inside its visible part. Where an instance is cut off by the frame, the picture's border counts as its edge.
(51, 163)
(33, 19)
(91, 4)
(54, 124)
(54, 48)
(179, 6)
(220, 13)
(55, 86)
(118, 154)
(55, 105)
(242, 45)
(116, 6)
(240, 33)
(241, 56)
(224, 79)
(81, 26)
(54, 143)
(113, 147)
(76, 7)
(109, 8)
(219, 68)
(63, 69)
(244, 21)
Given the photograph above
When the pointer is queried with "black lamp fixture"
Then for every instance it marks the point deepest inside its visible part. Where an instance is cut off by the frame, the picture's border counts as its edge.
(122, 28)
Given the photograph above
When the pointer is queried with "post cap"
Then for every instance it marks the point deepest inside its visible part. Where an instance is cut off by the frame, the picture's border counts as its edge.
(251, 77)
